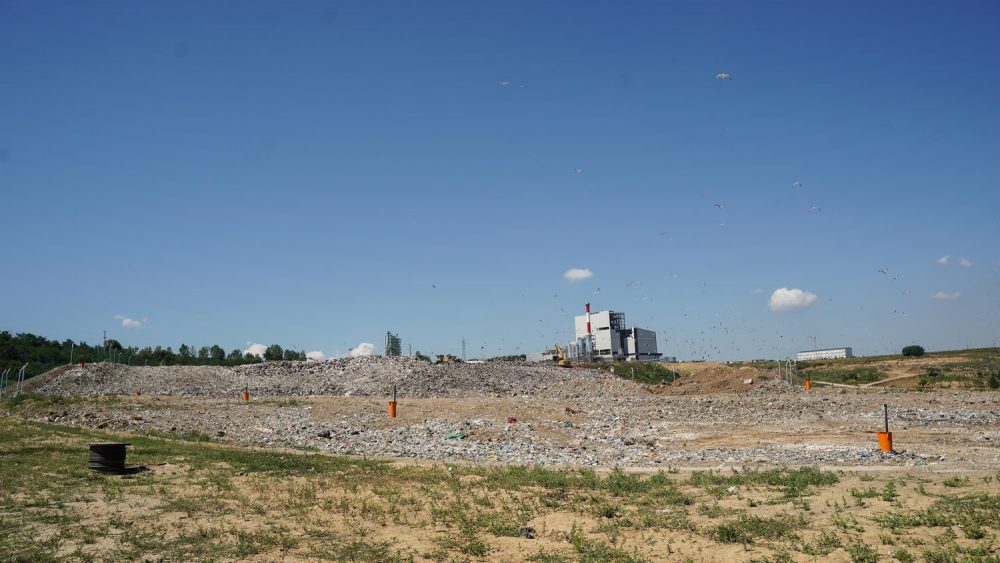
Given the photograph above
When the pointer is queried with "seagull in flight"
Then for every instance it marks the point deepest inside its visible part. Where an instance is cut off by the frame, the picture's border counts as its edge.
(796, 184)
(883, 271)
(579, 170)
(815, 209)
(505, 82)
(719, 205)
(724, 76)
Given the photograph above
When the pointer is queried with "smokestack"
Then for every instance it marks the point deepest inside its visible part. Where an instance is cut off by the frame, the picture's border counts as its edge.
(588, 318)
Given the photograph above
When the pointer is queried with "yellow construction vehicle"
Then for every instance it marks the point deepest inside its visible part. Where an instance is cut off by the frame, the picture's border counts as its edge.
(563, 362)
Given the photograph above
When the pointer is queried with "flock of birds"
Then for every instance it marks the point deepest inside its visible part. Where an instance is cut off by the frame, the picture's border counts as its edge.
(715, 330)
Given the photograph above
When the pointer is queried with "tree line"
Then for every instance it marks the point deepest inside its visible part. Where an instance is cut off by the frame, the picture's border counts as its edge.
(42, 354)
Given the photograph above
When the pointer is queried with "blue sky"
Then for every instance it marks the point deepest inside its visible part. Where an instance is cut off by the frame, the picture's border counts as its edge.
(307, 174)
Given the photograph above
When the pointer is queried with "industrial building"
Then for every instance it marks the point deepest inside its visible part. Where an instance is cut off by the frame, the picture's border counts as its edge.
(825, 354)
(604, 336)
(393, 345)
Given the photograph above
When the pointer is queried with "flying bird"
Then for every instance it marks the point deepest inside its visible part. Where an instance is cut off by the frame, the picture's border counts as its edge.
(724, 76)
(579, 170)
(796, 184)
(505, 82)
(815, 209)
(719, 205)
(883, 271)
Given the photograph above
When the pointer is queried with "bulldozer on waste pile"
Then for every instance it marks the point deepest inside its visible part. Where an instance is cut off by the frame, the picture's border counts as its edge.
(562, 362)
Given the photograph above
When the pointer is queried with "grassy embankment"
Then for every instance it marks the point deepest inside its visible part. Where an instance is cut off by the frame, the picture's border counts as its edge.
(641, 372)
(978, 369)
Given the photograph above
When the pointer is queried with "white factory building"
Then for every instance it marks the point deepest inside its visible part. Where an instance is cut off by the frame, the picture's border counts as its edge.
(825, 354)
(604, 336)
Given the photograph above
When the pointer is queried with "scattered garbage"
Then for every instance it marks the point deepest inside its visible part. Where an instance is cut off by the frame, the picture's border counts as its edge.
(511, 420)
(455, 436)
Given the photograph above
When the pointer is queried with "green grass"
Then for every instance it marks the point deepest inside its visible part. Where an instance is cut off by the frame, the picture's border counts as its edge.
(747, 529)
(641, 372)
(792, 483)
(853, 376)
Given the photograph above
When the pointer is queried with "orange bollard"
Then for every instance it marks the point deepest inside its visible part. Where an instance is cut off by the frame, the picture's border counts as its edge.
(392, 409)
(809, 385)
(246, 395)
(885, 441)
(83, 365)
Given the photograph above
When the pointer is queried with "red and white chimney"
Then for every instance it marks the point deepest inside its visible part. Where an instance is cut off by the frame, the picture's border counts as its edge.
(588, 318)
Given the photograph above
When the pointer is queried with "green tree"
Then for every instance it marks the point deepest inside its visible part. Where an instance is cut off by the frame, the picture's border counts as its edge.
(184, 351)
(273, 352)
(217, 353)
(236, 354)
(112, 344)
(203, 353)
(913, 351)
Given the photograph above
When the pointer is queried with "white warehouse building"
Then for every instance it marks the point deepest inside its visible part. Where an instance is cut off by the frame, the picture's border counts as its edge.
(825, 354)
(603, 336)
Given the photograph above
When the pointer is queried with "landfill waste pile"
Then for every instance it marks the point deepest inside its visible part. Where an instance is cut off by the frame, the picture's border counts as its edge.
(518, 412)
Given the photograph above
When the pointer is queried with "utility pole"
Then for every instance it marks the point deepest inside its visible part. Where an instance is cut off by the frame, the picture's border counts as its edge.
(463, 348)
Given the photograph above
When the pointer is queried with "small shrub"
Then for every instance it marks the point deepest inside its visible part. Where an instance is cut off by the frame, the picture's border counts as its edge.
(913, 351)
(862, 553)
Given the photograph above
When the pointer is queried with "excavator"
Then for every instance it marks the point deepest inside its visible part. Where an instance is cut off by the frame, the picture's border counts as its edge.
(563, 362)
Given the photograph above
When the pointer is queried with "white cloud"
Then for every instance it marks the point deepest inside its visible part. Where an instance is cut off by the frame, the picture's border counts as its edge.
(784, 299)
(574, 275)
(129, 323)
(316, 356)
(255, 349)
(363, 349)
(943, 260)
(947, 295)
(964, 262)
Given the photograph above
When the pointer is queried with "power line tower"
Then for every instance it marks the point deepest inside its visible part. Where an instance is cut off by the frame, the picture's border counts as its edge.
(463, 348)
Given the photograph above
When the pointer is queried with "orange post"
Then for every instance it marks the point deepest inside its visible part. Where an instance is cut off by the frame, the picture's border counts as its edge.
(392, 409)
(83, 365)
(246, 395)
(885, 437)
(809, 385)
(885, 441)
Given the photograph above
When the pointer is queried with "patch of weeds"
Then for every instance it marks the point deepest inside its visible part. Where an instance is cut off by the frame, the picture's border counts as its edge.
(862, 553)
(824, 544)
(361, 550)
(889, 493)
(903, 555)
(607, 510)
(792, 483)
(548, 557)
(956, 482)
(870, 492)
(973, 531)
(592, 551)
(713, 511)
(747, 529)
